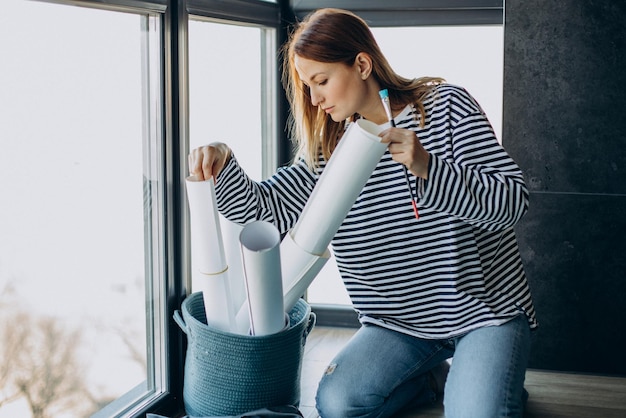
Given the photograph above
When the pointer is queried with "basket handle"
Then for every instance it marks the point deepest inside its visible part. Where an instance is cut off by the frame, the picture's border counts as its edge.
(309, 327)
(181, 322)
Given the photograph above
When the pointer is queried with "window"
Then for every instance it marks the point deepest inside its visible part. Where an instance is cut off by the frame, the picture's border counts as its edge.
(93, 154)
(226, 101)
(81, 284)
(470, 56)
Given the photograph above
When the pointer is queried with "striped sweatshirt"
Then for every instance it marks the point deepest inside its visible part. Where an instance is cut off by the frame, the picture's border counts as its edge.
(454, 269)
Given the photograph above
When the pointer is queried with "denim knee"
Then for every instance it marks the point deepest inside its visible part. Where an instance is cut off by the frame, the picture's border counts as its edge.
(339, 398)
(329, 405)
(332, 398)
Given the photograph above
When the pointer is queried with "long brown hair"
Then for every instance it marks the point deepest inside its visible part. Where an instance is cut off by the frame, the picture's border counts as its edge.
(338, 36)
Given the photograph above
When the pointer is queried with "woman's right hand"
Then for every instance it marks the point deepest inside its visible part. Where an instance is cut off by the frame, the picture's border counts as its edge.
(207, 161)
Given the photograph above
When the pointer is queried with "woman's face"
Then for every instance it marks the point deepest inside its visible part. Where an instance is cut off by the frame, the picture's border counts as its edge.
(337, 88)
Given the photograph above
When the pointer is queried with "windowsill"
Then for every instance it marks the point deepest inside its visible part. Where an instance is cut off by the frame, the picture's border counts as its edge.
(340, 316)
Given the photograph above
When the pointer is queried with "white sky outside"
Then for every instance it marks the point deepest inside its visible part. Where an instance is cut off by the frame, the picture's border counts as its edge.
(71, 232)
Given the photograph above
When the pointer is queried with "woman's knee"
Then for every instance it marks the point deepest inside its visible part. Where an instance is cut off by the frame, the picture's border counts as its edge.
(340, 398)
(330, 405)
(332, 400)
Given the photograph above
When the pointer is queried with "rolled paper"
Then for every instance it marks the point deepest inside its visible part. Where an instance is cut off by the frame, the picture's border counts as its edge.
(216, 295)
(232, 248)
(208, 260)
(206, 233)
(341, 182)
(260, 249)
(242, 319)
(299, 268)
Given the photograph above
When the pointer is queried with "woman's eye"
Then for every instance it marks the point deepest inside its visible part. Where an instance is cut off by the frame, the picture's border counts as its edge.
(321, 83)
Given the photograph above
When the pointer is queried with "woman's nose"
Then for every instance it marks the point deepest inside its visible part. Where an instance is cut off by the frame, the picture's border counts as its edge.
(315, 98)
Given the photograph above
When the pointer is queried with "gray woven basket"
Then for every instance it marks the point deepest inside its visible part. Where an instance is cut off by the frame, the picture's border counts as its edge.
(230, 374)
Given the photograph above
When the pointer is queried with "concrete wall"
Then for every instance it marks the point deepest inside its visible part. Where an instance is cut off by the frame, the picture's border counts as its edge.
(565, 124)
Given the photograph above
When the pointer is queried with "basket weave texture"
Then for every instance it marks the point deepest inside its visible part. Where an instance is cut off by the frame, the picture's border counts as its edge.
(230, 374)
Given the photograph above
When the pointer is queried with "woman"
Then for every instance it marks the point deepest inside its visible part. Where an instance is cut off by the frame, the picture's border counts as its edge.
(446, 283)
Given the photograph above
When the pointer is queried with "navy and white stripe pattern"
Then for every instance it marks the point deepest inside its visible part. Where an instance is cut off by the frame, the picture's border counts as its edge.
(454, 269)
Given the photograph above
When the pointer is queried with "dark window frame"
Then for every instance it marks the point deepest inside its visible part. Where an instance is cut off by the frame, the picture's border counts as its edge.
(413, 12)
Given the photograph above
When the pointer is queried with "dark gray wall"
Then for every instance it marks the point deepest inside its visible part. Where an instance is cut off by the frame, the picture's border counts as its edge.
(565, 124)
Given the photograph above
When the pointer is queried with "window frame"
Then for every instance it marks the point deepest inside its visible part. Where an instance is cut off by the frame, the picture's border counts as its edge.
(172, 259)
(414, 12)
(277, 150)
(165, 342)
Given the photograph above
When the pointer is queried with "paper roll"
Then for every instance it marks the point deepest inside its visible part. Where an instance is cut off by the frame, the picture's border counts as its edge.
(260, 248)
(299, 268)
(232, 249)
(341, 182)
(206, 234)
(216, 295)
(209, 267)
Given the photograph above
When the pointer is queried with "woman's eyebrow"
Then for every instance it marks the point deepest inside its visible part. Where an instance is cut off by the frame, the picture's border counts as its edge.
(314, 76)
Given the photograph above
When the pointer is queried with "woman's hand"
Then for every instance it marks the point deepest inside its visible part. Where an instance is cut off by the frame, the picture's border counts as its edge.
(407, 149)
(207, 161)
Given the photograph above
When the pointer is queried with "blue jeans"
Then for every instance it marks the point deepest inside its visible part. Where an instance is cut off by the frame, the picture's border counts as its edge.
(381, 372)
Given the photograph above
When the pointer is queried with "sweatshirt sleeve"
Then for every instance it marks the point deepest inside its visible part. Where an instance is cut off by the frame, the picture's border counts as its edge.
(479, 182)
(279, 199)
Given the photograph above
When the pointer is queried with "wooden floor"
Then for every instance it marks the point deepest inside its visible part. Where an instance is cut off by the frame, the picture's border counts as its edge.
(552, 395)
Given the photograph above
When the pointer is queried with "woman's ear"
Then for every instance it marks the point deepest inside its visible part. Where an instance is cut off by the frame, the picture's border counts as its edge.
(363, 64)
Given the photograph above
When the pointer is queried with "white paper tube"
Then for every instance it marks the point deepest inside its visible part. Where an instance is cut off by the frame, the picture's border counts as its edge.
(242, 320)
(299, 268)
(209, 267)
(347, 171)
(232, 248)
(206, 234)
(260, 247)
(215, 293)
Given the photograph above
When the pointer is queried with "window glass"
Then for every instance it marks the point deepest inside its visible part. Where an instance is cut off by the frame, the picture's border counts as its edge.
(470, 56)
(225, 69)
(74, 253)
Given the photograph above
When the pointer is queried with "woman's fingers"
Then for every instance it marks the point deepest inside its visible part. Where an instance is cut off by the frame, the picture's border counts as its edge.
(403, 144)
(406, 149)
(208, 160)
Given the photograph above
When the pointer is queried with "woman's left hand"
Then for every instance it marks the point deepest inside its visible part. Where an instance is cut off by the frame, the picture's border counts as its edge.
(406, 148)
